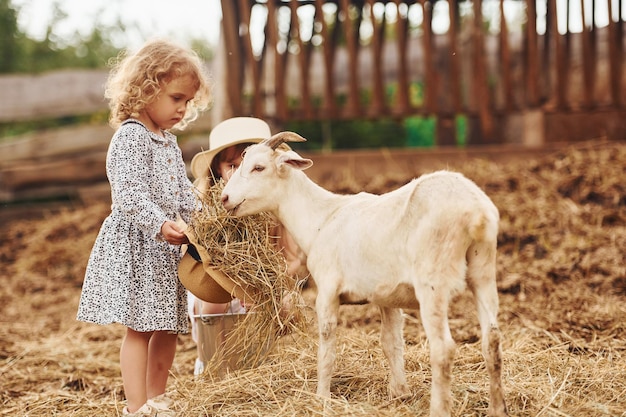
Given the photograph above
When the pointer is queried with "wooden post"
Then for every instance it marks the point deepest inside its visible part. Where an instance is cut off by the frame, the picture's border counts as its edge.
(481, 90)
(505, 61)
(589, 59)
(307, 110)
(378, 106)
(430, 75)
(328, 107)
(532, 72)
(402, 101)
(253, 64)
(351, 109)
(232, 56)
(561, 70)
(455, 72)
(280, 97)
(615, 58)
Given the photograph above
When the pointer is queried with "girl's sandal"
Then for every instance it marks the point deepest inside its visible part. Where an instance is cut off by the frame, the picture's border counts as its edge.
(143, 411)
(162, 404)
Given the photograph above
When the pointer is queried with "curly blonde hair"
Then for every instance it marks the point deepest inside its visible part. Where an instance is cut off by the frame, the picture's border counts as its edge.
(136, 80)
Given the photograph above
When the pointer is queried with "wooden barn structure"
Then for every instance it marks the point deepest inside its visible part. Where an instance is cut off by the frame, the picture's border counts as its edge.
(524, 75)
(518, 70)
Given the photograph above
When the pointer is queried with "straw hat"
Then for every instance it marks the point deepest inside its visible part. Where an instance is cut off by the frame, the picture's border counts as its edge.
(198, 282)
(228, 133)
(202, 280)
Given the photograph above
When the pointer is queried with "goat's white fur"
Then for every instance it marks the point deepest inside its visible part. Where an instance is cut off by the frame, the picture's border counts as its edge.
(414, 247)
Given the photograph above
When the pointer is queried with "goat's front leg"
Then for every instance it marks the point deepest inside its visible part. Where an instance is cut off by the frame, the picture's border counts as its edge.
(327, 307)
(393, 347)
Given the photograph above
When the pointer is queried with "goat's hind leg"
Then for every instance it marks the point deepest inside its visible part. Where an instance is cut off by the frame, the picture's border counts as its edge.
(393, 346)
(434, 314)
(482, 282)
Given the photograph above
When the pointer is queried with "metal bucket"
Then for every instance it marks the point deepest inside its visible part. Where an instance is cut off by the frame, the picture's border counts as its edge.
(213, 329)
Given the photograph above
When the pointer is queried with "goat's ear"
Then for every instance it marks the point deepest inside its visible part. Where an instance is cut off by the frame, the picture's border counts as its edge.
(294, 160)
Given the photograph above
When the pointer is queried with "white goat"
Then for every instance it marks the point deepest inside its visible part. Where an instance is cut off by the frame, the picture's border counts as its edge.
(414, 247)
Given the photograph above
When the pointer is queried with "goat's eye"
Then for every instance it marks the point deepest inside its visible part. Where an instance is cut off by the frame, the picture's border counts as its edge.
(258, 168)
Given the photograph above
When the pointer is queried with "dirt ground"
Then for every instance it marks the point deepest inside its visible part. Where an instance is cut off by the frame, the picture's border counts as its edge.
(562, 282)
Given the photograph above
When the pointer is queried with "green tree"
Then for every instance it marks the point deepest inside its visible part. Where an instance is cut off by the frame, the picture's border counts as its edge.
(22, 54)
(10, 37)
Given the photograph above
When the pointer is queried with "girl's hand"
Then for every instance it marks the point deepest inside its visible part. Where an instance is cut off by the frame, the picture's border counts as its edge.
(173, 234)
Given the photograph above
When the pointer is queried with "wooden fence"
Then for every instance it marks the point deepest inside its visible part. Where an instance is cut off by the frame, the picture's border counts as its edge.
(354, 59)
(64, 162)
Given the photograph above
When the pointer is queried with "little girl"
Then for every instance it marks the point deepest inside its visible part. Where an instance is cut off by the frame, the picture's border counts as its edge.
(131, 275)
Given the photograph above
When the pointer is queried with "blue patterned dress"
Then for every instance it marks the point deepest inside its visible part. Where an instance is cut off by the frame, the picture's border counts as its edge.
(131, 275)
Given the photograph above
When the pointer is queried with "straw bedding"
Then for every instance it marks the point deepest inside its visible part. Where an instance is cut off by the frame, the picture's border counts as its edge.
(562, 282)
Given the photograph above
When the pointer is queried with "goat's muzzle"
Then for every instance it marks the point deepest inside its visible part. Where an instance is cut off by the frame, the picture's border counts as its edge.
(232, 209)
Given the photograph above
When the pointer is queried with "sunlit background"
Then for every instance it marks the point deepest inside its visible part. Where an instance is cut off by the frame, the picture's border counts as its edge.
(187, 20)
(183, 20)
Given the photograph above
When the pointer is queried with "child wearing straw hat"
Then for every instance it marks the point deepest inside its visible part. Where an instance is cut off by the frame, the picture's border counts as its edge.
(227, 142)
(131, 276)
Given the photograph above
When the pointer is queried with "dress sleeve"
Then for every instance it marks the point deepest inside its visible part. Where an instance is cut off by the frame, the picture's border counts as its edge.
(129, 167)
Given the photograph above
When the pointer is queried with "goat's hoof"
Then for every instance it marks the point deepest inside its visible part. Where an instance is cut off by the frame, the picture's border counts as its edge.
(499, 412)
(323, 394)
(400, 393)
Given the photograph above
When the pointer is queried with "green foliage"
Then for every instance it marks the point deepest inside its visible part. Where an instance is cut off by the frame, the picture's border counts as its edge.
(10, 37)
(202, 48)
(420, 131)
(356, 134)
(8, 130)
(21, 54)
(461, 130)
(416, 131)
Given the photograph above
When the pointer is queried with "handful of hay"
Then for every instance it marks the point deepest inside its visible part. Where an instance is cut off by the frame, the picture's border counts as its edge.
(244, 249)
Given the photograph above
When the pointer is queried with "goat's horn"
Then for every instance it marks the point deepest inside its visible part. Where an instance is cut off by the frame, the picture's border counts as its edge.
(281, 137)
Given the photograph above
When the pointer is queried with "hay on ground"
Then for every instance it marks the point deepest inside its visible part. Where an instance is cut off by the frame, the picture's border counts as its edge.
(562, 287)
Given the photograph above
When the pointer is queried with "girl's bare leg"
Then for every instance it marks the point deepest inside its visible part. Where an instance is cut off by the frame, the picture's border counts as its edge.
(161, 352)
(134, 365)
